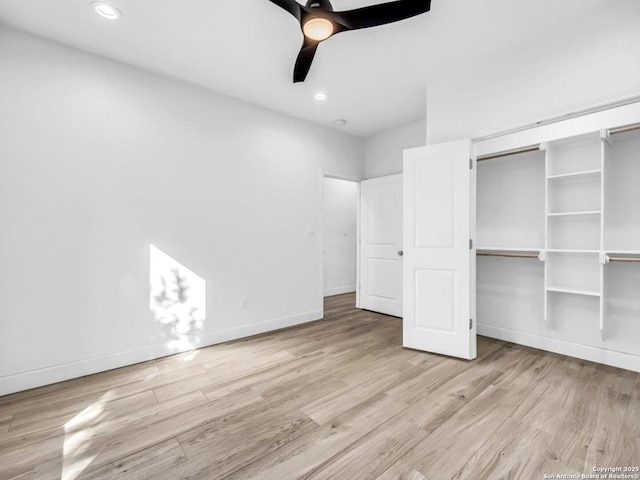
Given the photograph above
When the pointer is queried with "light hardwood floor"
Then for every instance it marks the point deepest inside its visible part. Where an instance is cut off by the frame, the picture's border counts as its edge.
(335, 399)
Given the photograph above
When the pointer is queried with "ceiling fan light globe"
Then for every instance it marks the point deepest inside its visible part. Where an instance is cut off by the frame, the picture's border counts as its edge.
(318, 29)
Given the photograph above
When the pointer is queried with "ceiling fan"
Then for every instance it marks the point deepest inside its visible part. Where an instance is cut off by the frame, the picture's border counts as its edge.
(318, 22)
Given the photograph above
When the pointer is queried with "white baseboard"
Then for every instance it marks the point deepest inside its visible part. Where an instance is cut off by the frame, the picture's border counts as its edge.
(593, 354)
(339, 291)
(68, 371)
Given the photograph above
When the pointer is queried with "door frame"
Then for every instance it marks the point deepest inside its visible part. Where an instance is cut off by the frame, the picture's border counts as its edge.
(321, 235)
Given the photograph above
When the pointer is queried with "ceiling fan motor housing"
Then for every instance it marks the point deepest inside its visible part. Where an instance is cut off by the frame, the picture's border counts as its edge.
(322, 4)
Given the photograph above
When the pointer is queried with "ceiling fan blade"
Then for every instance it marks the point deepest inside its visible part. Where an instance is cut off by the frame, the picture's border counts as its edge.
(290, 6)
(380, 14)
(303, 62)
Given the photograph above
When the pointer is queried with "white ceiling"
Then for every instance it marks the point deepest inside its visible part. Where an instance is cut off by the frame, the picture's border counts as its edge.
(376, 78)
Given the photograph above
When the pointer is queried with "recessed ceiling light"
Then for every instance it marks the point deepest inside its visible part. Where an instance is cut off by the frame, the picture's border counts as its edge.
(341, 122)
(321, 96)
(105, 10)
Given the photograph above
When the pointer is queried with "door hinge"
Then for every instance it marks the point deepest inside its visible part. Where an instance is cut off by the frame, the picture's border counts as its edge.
(470, 244)
(471, 324)
(471, 164)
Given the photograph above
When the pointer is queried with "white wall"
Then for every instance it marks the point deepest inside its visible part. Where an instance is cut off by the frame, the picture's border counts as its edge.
(100, 161)
(383, 152)
(538, 73)
(340, 203)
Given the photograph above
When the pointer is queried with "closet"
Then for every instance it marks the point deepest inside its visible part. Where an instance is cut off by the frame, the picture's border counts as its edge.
(556, 243)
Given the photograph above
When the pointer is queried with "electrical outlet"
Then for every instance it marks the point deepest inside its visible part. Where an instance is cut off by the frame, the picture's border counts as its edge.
(244, 303)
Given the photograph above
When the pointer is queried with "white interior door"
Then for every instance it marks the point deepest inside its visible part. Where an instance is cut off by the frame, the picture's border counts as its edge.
(381, 245)
(439, 264)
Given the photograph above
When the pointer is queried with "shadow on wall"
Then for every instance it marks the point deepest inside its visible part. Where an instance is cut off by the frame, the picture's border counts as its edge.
(177, 300)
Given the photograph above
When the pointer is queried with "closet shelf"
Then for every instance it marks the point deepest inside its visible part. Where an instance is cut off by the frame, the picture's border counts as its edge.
(622, 252)
(565, 250)
(573, 291)
(567, 214)
(510, 249)
(584, 173)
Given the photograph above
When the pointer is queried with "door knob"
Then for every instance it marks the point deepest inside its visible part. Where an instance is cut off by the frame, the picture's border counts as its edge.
(400, 252)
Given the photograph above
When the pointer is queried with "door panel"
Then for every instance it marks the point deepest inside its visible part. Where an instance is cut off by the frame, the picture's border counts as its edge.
(435, 288)
(381, 278)
(439, 265)
(382, 209)
(380, 244)
(434, 202)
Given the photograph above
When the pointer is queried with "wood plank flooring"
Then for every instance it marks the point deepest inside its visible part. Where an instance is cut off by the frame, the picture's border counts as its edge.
(334, 399)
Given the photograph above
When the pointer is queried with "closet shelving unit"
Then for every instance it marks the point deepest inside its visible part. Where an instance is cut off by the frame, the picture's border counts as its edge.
(574, 229)
(587, 225)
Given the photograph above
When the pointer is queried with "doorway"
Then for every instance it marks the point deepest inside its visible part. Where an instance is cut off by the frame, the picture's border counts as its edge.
(339, 235)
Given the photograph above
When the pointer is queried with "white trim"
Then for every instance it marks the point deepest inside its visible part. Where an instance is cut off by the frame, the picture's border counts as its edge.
(320, 230)
(358, 245)
(596, 105)
(592, 123)
(346, 178)
(339, 290)
(593, 354)
(386, 178)
(68, 371)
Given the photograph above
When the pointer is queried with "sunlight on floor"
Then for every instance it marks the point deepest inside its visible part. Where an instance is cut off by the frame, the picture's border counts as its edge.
(190, 356)
(177, 299)
(78, 440)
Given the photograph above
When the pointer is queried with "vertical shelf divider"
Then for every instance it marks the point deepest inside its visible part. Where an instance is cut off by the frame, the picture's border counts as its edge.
(604, 150)
(543, 255)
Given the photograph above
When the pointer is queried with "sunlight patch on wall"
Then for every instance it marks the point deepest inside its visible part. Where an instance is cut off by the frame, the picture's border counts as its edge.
(177, 299)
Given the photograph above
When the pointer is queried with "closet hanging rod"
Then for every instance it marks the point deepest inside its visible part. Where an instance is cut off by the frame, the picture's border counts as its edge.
(623, 259)
(506, 153)
(628, 128)
(508, 255)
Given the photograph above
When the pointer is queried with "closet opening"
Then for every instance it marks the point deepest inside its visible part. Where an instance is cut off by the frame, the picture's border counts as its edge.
(558, 245)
